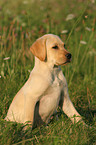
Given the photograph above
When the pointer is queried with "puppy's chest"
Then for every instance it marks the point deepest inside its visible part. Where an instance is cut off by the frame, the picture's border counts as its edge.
(50, 99)
(55, 87)
(57, 83)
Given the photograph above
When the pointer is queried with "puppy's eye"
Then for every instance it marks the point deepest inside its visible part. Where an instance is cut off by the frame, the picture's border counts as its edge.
(55, 47)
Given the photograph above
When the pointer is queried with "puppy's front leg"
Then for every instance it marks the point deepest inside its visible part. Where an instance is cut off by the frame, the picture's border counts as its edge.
(69, 109)
(29, 106)
(33, 92)
(66, 104)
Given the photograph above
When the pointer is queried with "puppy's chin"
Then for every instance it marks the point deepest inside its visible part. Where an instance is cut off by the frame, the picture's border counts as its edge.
(64, 63)
(67, 61)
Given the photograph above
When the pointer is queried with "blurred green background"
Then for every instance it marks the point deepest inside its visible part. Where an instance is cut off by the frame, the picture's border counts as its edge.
(21, 23)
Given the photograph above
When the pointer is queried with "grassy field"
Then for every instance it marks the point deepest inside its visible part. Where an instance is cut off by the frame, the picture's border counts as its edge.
(21, 22)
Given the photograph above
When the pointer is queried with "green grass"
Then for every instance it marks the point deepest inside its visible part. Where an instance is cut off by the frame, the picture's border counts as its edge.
(21, 22)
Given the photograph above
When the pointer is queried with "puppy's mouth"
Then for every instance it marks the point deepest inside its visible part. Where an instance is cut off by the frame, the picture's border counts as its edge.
(68, 61)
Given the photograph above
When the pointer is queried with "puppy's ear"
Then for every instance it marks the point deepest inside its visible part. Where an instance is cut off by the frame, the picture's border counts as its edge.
(39, 48)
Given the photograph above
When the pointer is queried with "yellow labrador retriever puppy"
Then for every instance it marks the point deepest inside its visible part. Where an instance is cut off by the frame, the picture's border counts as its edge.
(46, 87)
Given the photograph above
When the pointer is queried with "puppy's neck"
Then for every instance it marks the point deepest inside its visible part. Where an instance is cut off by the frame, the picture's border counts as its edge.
(45, 65)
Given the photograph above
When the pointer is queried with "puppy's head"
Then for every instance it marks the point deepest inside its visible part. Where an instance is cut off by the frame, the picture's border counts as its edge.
(50, 48)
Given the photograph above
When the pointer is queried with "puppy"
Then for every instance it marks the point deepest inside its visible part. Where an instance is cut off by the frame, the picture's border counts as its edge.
(46, 88)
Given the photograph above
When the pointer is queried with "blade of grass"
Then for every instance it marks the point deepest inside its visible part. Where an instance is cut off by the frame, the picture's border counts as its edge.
(77, 21)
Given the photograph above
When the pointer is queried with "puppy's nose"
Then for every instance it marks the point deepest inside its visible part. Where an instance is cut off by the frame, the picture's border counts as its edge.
(68, 55)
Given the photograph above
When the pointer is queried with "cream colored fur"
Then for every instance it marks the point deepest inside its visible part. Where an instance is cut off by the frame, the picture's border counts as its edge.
(46, 87)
